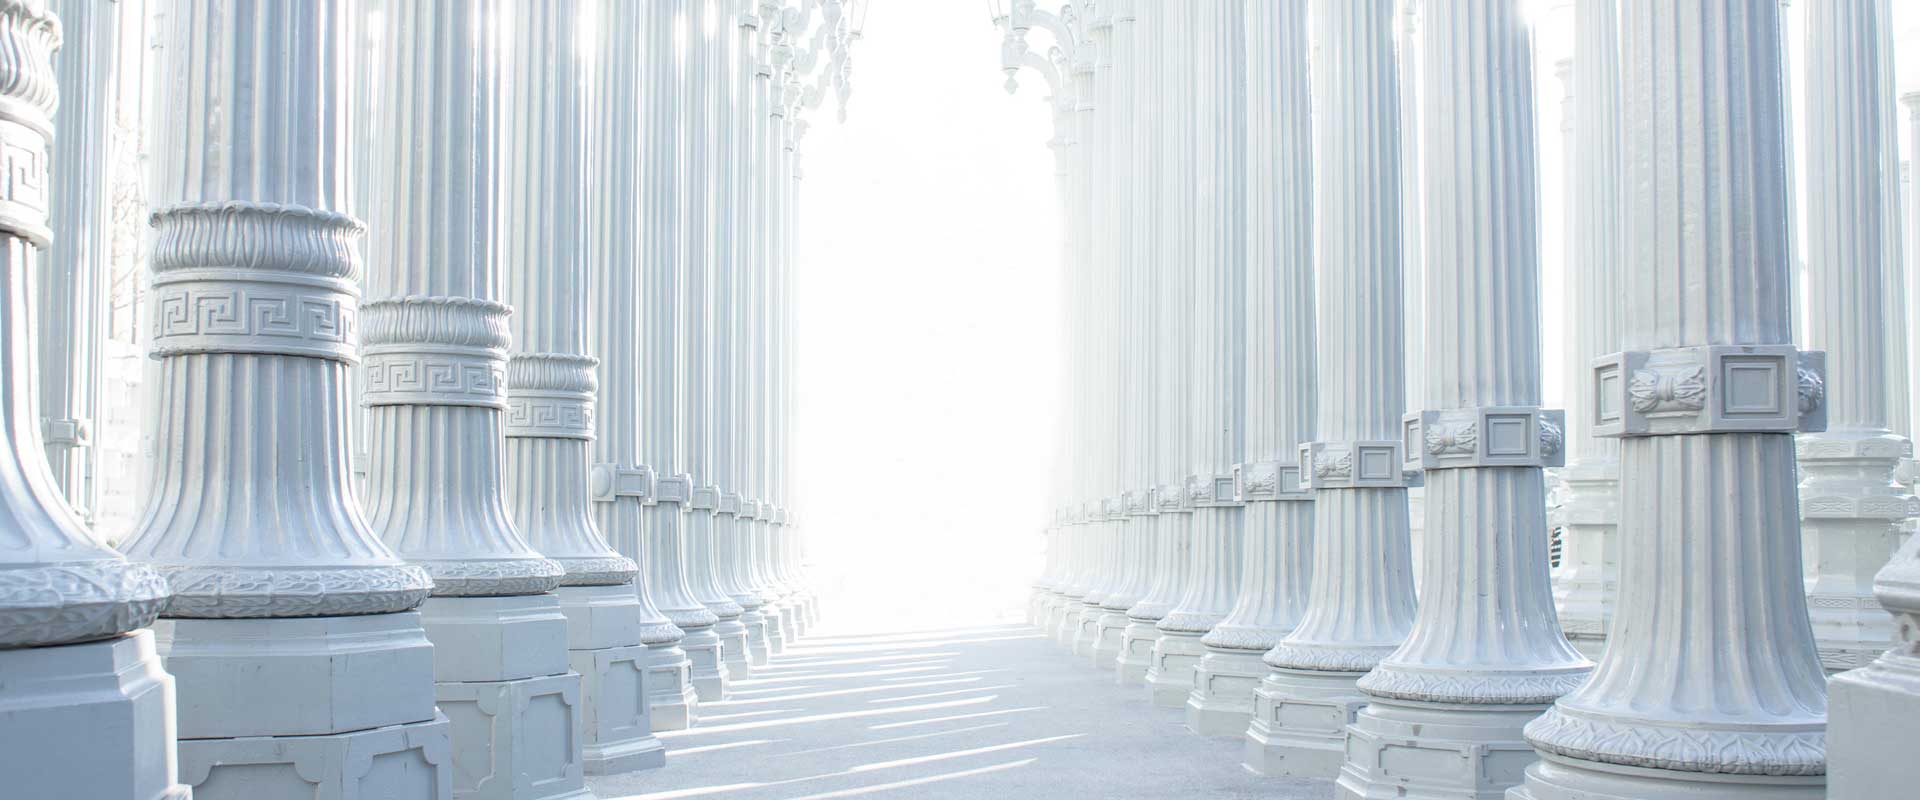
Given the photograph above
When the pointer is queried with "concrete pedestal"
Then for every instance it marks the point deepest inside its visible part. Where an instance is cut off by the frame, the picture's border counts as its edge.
(1170, 675)
(1300, 720)
(1221, 702)
(1086, 629)
(516, 739)
(309, 676)
(603, 646)
(733, 647)
(670, 685)
(410, 761)
(616, 717)
(1435, 751)
(1870, 717)
(1136, 651)
(502, 678)
(758, 648)
(92, 720)
(1109, 637)
(707, 670)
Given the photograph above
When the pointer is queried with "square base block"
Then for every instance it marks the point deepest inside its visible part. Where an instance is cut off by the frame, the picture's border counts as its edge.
(1067, 625)
(707, 670)
(733, 647)
(1136, 652)
(1299, 726)
(616, 715)
(759, 650)
(670, 686)
(1221, 703)
(311, 676)
(516, 740)
(488, 639)
(1086, 630)
(1871, 714)
(1170, 676)
(1109, 633)
(599, 617)
(1433, 751)
(409, 761)
(92, 720)
(1556, 778)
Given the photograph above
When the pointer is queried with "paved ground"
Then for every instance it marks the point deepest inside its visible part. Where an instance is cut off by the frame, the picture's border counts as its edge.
(984, 711)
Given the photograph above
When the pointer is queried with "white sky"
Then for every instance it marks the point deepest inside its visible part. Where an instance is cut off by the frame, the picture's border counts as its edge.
(927, 295)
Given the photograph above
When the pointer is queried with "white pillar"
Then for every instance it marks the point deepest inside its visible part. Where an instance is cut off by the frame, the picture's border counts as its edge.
(1362, 601)
(684, 101)
(437, 342)
(1168, 679)
(1718, 695)
(1131, 382)
(621, 482)
(250, 512)
(1219, 282)
(88, 710)
(1909, 473)
(1850, 506)
(661, 271)
(75, 275)
(1278, 371)
(1485, 655)
(1589, 514)
(1413, 307)
(551, 381)
(1156, 343)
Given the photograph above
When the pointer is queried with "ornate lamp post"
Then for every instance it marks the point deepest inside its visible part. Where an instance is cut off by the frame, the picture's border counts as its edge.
(87, 710)
(551, 381)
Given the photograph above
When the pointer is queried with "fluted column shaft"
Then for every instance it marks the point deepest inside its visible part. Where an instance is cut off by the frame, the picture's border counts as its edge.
(1362, 585)
(550, 378)
(1720, 694)
(1485, 642)
(1590, 512)
(1219, 341)
(436, 335)
(76, 276)
(250, 509)
(1278, 368)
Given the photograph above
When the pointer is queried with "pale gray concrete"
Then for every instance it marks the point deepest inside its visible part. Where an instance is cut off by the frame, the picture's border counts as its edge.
(989, 711)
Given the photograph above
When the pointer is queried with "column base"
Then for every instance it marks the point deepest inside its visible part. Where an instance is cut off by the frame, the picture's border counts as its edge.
(1850, 630)
(670, 681)
(1299, 725)
(1068, 626)
(1136, 651)
(707, 669)
(1435, 751)
(91, 720)
(484, 639)
(776, 636)
(1088, 629)
(733, 647)
(1221, 703)
(516, 739)
(615, 711)
(1170, 677)
(311, 676)
(1110, 632)
(1555, 777)
(1870, 717)
(758, 649)
(411, 760)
